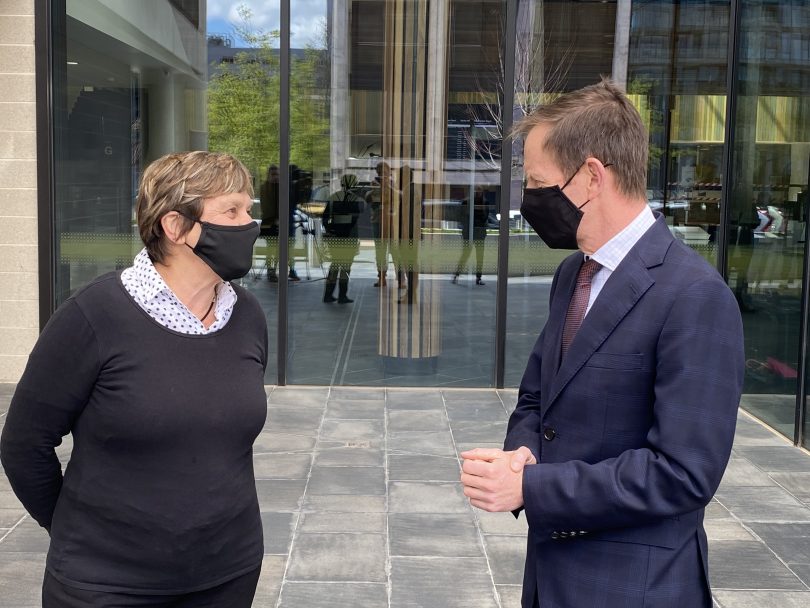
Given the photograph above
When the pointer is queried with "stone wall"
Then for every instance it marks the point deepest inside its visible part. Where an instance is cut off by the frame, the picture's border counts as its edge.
(19, 317)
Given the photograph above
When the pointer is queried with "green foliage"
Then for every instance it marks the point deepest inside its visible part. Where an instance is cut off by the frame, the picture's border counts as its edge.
(243, 103)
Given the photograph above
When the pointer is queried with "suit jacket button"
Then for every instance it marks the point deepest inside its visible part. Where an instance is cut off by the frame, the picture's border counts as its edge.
(549, 433)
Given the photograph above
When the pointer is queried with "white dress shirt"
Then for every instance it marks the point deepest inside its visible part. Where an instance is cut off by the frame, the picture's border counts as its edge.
(613, 252)
(144, 283)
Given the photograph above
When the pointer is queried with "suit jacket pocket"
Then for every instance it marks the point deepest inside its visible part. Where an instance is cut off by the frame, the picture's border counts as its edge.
(668, 533)
(617, 361)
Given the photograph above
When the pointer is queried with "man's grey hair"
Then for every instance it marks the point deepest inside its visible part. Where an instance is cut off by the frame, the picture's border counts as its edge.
(596, 121)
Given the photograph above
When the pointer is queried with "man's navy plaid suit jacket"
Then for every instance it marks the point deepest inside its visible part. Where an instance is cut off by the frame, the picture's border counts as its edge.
(632, 432)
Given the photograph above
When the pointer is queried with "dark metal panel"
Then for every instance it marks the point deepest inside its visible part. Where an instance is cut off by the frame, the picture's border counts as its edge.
(284, 189)
(44, 13)
(506, 189)
(728, 149)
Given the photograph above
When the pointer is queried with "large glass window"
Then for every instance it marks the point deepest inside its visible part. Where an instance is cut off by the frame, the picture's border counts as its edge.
(768, 221)
(131, 85)
(560, 46)
(394, 128)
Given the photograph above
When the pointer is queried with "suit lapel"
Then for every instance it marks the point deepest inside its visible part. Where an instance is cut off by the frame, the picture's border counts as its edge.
(628, 283)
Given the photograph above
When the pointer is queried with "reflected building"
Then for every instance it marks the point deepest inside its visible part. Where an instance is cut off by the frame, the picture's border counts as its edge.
(415, 97)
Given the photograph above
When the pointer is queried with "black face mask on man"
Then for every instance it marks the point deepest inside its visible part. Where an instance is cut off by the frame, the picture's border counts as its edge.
(552, 215)
(228, 250)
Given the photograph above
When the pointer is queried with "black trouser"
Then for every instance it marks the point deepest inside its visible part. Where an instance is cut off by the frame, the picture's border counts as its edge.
(236, 593)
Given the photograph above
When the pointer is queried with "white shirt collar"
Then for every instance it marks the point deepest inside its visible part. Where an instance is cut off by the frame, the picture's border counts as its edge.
(614, 251)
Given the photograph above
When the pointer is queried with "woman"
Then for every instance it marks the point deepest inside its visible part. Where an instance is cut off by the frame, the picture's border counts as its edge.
(157, 371)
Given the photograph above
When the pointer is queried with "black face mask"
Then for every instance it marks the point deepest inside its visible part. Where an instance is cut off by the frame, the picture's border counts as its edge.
(552, 215)
(228, 250)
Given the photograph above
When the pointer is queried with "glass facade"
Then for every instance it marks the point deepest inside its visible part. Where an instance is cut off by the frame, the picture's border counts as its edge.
(408, 262)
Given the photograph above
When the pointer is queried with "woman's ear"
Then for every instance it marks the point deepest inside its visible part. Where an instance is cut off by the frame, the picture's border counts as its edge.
(172, 224)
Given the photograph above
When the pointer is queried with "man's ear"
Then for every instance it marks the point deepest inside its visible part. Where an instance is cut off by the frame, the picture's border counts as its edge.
(172, 224)
(597, 176)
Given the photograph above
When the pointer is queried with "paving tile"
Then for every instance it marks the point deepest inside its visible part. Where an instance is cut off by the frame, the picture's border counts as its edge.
(338, 557)
(28, 537)
(459, 411)
(797, 484)
(741, 472)
(418, 582)
(761, 599)
(470, 395)
(366, 433)
(463, 447)
(21, 579)
(8, 500)
(413, 399)
(726, 529)
(341, 456)
(503, 524)
(404, 467)
(268, 441)
(762, 504)
(510, 595)
(280, 494)
(300, 397)
(478, 432)
(334, 595)
(281, 466)
(278, 531)
(421, 497)
(507, 556)
(430, 443)
(750, 433)
(338, 503)
(780, 459)
(737, 564)
(293, 420)
(373, 409)
(714, 510)
(420, 534)
(791, 542)
(269, 581)
(9, 517)
(347, 393)
(362, 481)
(416, 420)
(371, 523)
(803, 572)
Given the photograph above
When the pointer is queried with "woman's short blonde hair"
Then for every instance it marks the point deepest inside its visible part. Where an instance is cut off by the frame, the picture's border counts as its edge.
(180, 182)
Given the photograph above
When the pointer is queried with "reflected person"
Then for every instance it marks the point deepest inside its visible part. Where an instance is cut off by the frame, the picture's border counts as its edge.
(382, 201)
(625, 418)
(158, 373)
(479, 228)
(340, 233)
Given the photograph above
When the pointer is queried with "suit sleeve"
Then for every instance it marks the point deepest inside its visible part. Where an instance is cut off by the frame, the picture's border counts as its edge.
(698, 382)
(54, 388)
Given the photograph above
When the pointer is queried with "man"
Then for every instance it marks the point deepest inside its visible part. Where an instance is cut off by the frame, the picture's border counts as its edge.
(625, 419)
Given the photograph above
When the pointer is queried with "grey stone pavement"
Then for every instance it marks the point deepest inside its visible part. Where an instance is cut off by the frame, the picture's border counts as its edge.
(362, 508)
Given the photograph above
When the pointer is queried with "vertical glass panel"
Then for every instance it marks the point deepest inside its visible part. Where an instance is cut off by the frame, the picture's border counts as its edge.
(395, 122)
(560, 47)
(768, 222)
(131, 85)
(677, 79)
(243, 120)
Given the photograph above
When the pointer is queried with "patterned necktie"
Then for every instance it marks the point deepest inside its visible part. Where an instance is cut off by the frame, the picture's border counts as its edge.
(579, 302)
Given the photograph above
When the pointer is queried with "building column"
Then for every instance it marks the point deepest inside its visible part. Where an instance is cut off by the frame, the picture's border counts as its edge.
(414, 124)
